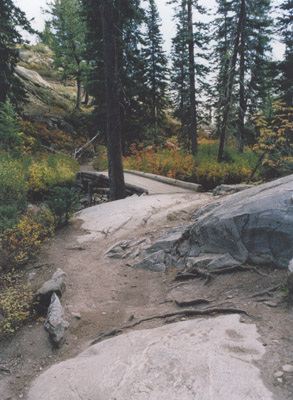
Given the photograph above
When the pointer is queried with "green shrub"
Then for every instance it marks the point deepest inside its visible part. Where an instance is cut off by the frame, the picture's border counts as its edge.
(8, 217)
(62, 203)
(50, 171)
(212, 174)
(10, 140)
(101, 161)
(13, 181)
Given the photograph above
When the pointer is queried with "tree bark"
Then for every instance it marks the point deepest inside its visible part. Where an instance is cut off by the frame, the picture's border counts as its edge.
(192, 105)
(78, 95)
(116, 177)
(242, 102)
(231, 81)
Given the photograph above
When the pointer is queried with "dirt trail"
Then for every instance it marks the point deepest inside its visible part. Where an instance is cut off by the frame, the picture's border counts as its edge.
(103, 294)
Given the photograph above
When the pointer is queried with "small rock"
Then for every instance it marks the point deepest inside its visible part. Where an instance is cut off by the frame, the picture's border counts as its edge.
(117, 248)
(287, 368)
(280, 380)
(76, 315)
(278, 374)
(31, 276)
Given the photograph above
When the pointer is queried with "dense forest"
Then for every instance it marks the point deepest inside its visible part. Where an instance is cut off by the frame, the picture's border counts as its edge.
(218, 109)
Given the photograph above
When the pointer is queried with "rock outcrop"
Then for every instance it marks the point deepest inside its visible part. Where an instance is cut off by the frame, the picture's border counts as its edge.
(199, 359)
(254, 226)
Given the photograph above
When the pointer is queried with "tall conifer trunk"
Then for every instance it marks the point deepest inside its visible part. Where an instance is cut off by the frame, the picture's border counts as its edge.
(192, 110)
(242, 102)
(116, 177)
(227, 106)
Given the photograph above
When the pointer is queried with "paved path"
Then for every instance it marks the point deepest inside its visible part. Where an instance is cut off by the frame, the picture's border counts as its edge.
(153, 186)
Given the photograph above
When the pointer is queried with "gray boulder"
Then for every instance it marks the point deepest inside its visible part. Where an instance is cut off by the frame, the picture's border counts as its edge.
(255, 225)
(168, 240)
(54, 324)
(154, 262)
(206, 359)
(56, 285)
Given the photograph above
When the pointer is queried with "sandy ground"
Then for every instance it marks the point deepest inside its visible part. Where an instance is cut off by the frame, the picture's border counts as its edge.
(103, 294)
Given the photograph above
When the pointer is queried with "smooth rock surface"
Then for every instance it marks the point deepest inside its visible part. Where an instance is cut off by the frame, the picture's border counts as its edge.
(32, 76)
(254, 226)
(201, 359)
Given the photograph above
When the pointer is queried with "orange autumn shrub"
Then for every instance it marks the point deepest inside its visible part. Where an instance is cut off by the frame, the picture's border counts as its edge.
(204, 169)
(167, 161)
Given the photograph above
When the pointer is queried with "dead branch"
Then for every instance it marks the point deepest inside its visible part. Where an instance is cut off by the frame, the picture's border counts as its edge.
(183, 313)
(77, 152)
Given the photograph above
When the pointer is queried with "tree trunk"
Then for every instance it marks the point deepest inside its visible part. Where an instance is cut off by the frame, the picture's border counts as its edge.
(231, 80)
(242, 102)
(192, 105)
(116, 177)
(78, 94)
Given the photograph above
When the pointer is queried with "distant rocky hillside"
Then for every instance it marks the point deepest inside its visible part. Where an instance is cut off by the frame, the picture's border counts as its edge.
(49, 99)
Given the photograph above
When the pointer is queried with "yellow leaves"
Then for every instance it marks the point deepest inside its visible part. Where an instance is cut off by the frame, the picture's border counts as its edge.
(51, 171)
(22, 241)
(276, 139)
(15, 303)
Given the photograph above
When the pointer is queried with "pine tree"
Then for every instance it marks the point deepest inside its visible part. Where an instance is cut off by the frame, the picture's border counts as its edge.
(188, 69)
(286, 66)
(254, 81)
(179, 72)
(11, 18)
(128, 16)
(116, 177)
(242, 57)
(155, 73)
(68, 42)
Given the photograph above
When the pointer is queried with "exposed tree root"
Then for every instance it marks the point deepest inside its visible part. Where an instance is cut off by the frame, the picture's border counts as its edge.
(227, 270)
(267, 291)
(79, 248)
(192, 302)
(183, 313)
(193, 274)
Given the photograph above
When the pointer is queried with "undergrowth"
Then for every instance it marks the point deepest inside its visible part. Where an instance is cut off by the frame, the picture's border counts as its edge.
(172, 161)
(15, 302)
